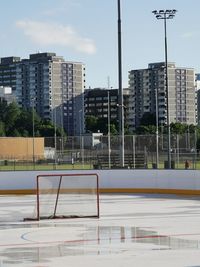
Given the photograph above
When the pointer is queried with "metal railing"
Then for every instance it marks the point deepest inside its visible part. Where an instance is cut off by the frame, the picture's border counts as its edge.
(82, 153)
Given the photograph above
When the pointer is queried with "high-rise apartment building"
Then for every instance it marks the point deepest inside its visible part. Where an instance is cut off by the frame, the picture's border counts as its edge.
(146, 84)
(101, 102)
(8, 72)
(96, 103)
(53, 86)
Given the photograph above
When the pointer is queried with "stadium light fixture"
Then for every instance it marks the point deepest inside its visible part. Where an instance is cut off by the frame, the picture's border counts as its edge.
(120, 91)
(166, 14)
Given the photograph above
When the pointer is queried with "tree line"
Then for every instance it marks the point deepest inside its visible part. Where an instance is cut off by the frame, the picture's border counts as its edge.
(147, 126)
(18, 122)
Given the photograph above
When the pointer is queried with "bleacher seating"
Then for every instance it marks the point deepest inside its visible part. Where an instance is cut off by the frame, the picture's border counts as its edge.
(102, 161)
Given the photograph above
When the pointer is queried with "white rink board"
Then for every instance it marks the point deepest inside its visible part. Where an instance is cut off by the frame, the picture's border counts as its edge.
(112, 179)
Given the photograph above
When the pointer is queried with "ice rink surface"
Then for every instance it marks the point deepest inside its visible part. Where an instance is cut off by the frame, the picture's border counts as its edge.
(133, 230)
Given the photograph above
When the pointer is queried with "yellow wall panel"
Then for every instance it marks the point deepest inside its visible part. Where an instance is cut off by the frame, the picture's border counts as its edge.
(21, 148)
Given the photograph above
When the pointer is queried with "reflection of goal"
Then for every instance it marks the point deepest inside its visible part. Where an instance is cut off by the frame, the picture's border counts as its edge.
(67, 196)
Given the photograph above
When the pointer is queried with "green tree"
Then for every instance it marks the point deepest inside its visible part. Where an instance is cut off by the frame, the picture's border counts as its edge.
(150, 129)
(24, 133)
(3, 107)
(24, 123)
(47, 129)
(113, 130)
(19, 122)
(11, 116)
(192, 128)
(2, 128)
(91, 123)
(16, 133)
(178, 128)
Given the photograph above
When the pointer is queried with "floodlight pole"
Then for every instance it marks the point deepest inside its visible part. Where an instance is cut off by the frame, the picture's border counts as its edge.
(166, 14)
(109, 150)
(120, 92)
(55, 134)
(167, 92)
(33, 130)
(157, 137)
(81, 136)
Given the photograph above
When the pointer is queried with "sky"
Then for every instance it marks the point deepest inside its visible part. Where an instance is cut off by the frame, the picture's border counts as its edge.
(86, 31)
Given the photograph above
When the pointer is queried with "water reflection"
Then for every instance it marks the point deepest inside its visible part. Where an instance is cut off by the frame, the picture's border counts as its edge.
(94, 241)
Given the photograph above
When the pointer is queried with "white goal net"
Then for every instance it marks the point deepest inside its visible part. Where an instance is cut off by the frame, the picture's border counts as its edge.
(67, 196)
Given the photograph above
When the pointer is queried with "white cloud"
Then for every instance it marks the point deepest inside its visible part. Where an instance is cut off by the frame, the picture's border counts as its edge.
(56, 34)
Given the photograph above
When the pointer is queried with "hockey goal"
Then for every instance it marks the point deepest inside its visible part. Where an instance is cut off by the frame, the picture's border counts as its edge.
(67, 196)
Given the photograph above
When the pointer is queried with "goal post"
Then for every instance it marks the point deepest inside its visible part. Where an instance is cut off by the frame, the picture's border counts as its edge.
(67, 196)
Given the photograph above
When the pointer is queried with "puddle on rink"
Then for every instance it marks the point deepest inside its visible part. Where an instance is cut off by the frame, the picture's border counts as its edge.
(100, 240)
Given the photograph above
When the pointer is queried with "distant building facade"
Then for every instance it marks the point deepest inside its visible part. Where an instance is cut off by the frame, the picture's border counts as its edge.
(100, 102)
(53, 86)
(8, 72)
(145, 84)
(96, 102)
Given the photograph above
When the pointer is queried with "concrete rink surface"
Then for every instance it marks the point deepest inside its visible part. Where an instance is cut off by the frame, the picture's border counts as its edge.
(133, 230)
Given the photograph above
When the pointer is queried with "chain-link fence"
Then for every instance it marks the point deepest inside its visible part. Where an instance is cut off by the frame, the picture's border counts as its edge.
(82, 152)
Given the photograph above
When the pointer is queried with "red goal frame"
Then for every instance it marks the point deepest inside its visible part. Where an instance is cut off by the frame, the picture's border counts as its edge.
(58, 191)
